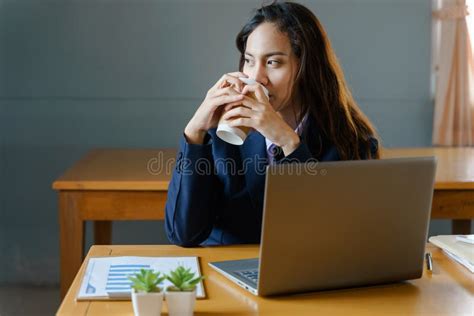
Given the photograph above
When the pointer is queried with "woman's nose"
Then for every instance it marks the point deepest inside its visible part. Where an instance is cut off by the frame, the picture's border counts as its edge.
(260, 75)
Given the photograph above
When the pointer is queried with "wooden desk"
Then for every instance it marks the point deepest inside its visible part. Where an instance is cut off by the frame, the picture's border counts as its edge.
(454, 187)
(131, 184)
(449, 290)
(104, 186)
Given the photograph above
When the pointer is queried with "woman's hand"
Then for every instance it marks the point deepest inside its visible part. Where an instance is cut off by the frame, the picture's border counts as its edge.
(259, 114)
(225, 91)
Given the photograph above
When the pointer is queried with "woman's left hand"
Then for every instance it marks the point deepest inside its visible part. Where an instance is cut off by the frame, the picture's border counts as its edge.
(259, 114)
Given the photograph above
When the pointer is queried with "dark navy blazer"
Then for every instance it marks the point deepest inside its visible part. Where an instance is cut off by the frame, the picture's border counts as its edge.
(215, 196)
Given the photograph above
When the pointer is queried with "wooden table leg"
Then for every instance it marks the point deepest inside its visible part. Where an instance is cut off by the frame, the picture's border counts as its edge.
(102, 232)
(71, 231)
(461, 226)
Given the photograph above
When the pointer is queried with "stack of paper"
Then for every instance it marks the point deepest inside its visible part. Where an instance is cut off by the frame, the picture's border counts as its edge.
(461, 251)
(107, 277)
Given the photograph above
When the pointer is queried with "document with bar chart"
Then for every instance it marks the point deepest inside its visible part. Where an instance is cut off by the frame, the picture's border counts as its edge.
(107, 278)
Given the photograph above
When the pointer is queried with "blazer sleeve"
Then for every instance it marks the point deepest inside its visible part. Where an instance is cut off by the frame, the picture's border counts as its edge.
(192, 195)
(300, 154)
(303, 154)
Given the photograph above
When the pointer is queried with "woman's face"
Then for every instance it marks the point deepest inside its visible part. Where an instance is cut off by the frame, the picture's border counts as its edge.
(270, 61)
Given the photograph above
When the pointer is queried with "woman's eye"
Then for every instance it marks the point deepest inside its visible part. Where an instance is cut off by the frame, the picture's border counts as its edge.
(273, 62)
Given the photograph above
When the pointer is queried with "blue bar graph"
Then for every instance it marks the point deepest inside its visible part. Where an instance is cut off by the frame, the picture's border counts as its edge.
(117, 278)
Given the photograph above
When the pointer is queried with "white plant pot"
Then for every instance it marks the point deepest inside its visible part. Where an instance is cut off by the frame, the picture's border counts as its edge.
(147, 304)
(180, 303)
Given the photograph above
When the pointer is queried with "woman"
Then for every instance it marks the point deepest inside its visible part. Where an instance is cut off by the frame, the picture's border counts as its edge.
(310, 114)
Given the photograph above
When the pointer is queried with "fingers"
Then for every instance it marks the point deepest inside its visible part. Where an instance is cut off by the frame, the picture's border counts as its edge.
(233, 82)
(252, 103)
(230, 79)
(224, 91)
(237, 111)
(242, 100)
(225, 99)
(242, 121)
(232, 105)
(258, 90)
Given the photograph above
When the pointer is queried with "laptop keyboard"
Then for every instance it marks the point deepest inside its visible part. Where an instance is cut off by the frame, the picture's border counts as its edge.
(251, 275)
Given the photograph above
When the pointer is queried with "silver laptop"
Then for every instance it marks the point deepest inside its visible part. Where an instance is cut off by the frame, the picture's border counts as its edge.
(339, 224)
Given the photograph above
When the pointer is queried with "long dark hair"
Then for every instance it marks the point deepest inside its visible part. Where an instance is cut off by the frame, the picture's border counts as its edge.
(320, 86)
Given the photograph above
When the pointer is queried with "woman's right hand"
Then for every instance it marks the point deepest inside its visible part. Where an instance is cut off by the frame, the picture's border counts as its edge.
(226, 90)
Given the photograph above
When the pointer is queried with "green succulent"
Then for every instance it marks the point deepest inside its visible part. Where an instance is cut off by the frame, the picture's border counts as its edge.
(146, 281)
(183, 279)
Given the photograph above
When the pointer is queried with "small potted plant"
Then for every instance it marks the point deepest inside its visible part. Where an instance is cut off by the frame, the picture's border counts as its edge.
(181, 295)
(147, 296)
